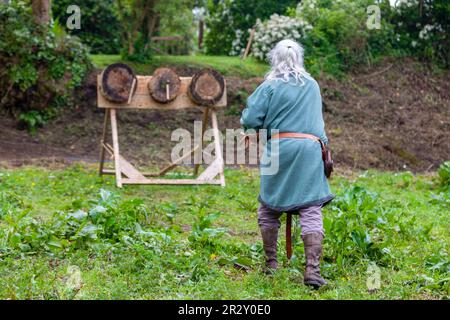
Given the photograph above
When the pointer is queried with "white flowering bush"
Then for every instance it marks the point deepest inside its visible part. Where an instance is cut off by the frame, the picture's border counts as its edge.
(336, 37)
(277, 28)
(238, 44)
(423, 31)
(228, 22)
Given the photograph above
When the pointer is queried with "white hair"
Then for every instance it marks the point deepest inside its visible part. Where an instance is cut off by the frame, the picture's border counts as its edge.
(286, 59)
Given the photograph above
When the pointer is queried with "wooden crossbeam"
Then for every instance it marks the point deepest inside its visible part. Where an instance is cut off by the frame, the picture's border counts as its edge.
(170, 181)
(173, 164)
(218, 149)
(211, 171)
(126, 168)
(142, 99)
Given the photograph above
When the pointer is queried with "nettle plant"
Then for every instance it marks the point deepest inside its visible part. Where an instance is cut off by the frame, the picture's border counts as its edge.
(277, 28)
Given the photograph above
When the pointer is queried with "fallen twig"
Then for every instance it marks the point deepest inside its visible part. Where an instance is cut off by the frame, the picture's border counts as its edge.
(376, 73)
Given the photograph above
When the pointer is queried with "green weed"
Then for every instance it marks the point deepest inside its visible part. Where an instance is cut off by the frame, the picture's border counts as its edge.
(68, 234)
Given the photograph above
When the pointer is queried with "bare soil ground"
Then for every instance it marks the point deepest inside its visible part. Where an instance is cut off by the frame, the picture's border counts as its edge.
(392, 116)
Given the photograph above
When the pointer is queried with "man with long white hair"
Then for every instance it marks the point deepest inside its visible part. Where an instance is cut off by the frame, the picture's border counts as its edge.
(289, 102)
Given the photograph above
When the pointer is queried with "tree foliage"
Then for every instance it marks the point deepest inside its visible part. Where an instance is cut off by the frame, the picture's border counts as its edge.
(339, 37)
(142, 19)
(229, 19)
(41, 65)
(99, 25)
(176, 18)
(138, 20)
(422, 28)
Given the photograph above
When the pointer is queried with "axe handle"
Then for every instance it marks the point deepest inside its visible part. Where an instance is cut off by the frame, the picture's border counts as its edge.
(133, 85)
(289, 235)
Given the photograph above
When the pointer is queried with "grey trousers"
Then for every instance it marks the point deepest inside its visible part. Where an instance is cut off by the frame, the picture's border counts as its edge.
(310, 219)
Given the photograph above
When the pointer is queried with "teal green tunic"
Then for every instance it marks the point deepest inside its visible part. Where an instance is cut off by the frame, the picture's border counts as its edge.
(300, 181)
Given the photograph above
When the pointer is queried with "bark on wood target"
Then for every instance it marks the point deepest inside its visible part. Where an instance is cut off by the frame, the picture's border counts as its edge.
(118, 83)
(207, 87)
(165, 85)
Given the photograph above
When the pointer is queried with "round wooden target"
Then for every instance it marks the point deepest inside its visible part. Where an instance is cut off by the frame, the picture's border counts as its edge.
(164, 85)
(118, 80)
(207, 87)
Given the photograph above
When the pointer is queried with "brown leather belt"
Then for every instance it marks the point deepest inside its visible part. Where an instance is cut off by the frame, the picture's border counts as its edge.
(295, 135)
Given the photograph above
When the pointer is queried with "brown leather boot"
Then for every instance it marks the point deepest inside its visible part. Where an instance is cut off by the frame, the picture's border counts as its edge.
(270, 237)
(313, 253)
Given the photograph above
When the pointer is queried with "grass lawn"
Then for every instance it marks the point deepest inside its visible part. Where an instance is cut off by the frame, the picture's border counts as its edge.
(68, 234)
(229, 66)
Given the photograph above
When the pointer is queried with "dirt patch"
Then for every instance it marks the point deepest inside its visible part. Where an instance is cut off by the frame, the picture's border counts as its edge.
(393, 116)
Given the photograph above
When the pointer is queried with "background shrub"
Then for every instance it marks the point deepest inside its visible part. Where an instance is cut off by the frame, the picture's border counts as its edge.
(423, 31)
(444, 174)
(228, 22)
(99, 25)
(275, 29)
(334, 34)
(339, 39)
(41, 65)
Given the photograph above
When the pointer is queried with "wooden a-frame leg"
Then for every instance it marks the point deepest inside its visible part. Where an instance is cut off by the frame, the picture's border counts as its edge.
(103, 141)
(204, 126)
(115, 138)
(218, 148)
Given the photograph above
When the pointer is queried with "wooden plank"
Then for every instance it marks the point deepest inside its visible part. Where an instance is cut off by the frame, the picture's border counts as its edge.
(125, 167)
(212, 171)
(109, 149)
(102, 142)
(115, 138)
(129, 170)
(174, 164)
(145, 174)
(109, 171)
(204, 126)
(218, 147)
(168, 38)
(249, 44)
(170, 181)
(143, 100)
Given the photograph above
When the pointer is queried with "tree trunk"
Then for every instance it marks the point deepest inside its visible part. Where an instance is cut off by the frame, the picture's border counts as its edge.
(42, 10)
(134, 20)
(201, 27)
(421, 7)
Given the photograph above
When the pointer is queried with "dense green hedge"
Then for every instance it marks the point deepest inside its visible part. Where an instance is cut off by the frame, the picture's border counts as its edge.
(40, 66)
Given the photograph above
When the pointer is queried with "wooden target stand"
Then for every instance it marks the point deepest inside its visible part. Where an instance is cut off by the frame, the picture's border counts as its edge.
(124, 171)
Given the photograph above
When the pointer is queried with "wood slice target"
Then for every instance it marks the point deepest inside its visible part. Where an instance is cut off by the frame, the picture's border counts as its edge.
(118, 83)
(165, 85)
(207, 87)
